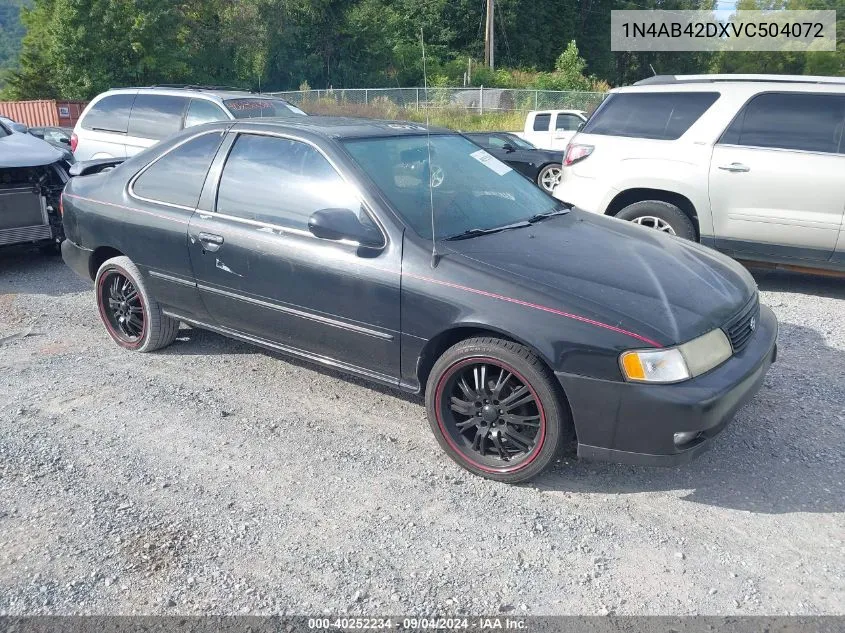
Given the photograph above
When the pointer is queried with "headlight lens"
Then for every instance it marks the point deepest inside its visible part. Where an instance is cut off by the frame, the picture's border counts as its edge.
(676, 364)
(654, 365)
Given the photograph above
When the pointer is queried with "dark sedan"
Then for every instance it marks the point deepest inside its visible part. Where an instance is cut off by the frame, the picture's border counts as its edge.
(422, 262)
(540, 165)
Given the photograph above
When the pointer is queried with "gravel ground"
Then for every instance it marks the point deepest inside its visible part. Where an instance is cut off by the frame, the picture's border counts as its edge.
(213, 477)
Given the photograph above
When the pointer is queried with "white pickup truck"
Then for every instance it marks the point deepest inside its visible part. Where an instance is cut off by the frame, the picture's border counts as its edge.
(551, 129)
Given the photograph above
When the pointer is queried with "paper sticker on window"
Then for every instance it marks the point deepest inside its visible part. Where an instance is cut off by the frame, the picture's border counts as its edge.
(491, 162)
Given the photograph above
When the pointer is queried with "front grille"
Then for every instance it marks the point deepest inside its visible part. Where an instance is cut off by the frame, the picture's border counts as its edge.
(742, 326)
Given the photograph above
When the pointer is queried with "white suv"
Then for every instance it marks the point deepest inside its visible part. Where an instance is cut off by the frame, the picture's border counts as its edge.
(749, 164)
(122, 122)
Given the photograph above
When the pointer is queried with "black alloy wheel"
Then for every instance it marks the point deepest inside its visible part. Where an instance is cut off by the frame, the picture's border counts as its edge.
(122, 306)
(495, 409)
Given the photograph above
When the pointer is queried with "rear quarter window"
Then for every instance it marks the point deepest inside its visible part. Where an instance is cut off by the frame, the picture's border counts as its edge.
(178, 176)
(654, 115)
(109, 114)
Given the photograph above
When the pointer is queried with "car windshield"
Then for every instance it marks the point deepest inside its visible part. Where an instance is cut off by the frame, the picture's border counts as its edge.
(471, 190)
(259, 108)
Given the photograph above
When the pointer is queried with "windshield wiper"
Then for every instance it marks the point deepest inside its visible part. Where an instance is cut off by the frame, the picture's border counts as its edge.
(548, 214)
(476, 232)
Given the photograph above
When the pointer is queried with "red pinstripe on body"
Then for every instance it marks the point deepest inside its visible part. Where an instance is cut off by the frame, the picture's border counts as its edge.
(536, 306)
(121, 206)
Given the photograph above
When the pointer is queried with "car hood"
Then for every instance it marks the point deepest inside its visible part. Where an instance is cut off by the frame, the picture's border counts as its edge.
(25, 150)
(548, 156)
(662, 287)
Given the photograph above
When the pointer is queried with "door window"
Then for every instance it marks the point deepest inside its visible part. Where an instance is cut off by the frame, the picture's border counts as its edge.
(567, 122)
(656, 115)
(542, 121)
(109, 114)
(282, 182)
(178, 176)
(808, 122)
(201, 111)
(156, 116)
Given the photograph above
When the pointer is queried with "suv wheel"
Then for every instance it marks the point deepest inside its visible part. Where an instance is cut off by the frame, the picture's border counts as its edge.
(496, 409)
(133, 318)
(659, 215)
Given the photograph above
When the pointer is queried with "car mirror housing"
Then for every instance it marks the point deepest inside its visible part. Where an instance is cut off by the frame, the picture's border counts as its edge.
(508, 147)
(343, 224)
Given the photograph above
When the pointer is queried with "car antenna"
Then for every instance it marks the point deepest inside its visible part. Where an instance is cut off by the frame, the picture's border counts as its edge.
(435, 256)
(653, 72)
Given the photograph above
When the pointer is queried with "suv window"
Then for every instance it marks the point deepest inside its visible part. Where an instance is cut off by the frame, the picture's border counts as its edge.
(201, 111)
(280, 181)
(541, 122)
(657, 115)
(809, 122)
(156, 116)
(178, 176)
(109, 114)
(568, 122)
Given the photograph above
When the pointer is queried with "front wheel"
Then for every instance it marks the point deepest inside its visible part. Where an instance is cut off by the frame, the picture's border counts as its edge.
(133, 318)
(661, 216)
(496, 410)
(549, 178)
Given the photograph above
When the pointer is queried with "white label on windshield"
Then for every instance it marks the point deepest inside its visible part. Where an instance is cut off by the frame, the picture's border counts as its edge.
(491, 162)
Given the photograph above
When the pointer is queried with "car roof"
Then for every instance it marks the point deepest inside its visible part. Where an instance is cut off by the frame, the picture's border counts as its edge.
(220, 92)
(341, 127)
(746, 84)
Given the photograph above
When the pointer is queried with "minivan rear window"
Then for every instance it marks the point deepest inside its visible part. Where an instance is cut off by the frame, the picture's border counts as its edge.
(657, 115)
(247, 108)
(109, 114)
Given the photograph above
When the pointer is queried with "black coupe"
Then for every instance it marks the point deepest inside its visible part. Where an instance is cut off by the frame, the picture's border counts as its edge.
(540, 165)
(524, 322)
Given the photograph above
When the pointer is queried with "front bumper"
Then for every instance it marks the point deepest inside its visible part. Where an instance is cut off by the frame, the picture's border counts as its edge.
(636, 423)
(77, 258)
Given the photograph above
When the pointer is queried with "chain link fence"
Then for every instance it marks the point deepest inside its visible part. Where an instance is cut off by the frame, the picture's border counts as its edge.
(476, 100)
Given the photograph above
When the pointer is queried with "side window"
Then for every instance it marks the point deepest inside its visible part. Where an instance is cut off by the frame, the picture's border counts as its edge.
(809, 122)
(156, 116)
(109, 114)
(178, 176)
(657, 115)
(201, 111)
(542, 121)
(567, 122)
(280, 181)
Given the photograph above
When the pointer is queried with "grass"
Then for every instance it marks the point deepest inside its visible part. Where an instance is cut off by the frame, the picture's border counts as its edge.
(449, 117)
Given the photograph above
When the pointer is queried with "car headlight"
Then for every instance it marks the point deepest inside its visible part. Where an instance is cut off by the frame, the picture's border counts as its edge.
(676, 364)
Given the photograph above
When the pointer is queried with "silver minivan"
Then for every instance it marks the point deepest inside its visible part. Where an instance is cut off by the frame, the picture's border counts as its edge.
(120, 123)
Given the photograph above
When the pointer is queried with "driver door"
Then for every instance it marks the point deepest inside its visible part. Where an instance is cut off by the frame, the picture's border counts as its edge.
(262, 274)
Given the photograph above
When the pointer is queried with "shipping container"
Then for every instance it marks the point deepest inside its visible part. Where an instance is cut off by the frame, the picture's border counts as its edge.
(43, 113)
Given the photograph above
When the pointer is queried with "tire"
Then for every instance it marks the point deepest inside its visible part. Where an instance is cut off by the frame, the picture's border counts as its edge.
(549, 175)
(669, 218)
(544, 419)
(150, 329)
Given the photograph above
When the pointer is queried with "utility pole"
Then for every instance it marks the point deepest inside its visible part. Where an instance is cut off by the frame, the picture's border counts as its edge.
(489, 36)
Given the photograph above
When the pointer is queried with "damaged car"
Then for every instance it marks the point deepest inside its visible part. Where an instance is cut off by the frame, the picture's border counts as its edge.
(33, 174)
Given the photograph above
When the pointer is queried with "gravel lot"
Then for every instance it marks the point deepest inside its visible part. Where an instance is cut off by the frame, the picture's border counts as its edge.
(215, 477)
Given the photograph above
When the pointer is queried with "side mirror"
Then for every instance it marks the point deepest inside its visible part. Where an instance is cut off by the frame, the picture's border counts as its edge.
(64, 140)
(343, 224)
(580, 125)
(508, 148)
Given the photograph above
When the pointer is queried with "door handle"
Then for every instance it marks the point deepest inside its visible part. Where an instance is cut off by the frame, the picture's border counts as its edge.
(210, 241)
(735, 167)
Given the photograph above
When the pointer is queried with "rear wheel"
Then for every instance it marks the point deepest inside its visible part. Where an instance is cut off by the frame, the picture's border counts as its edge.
(495, 409)
(549, 177)
(133, 318)
(659, 215)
